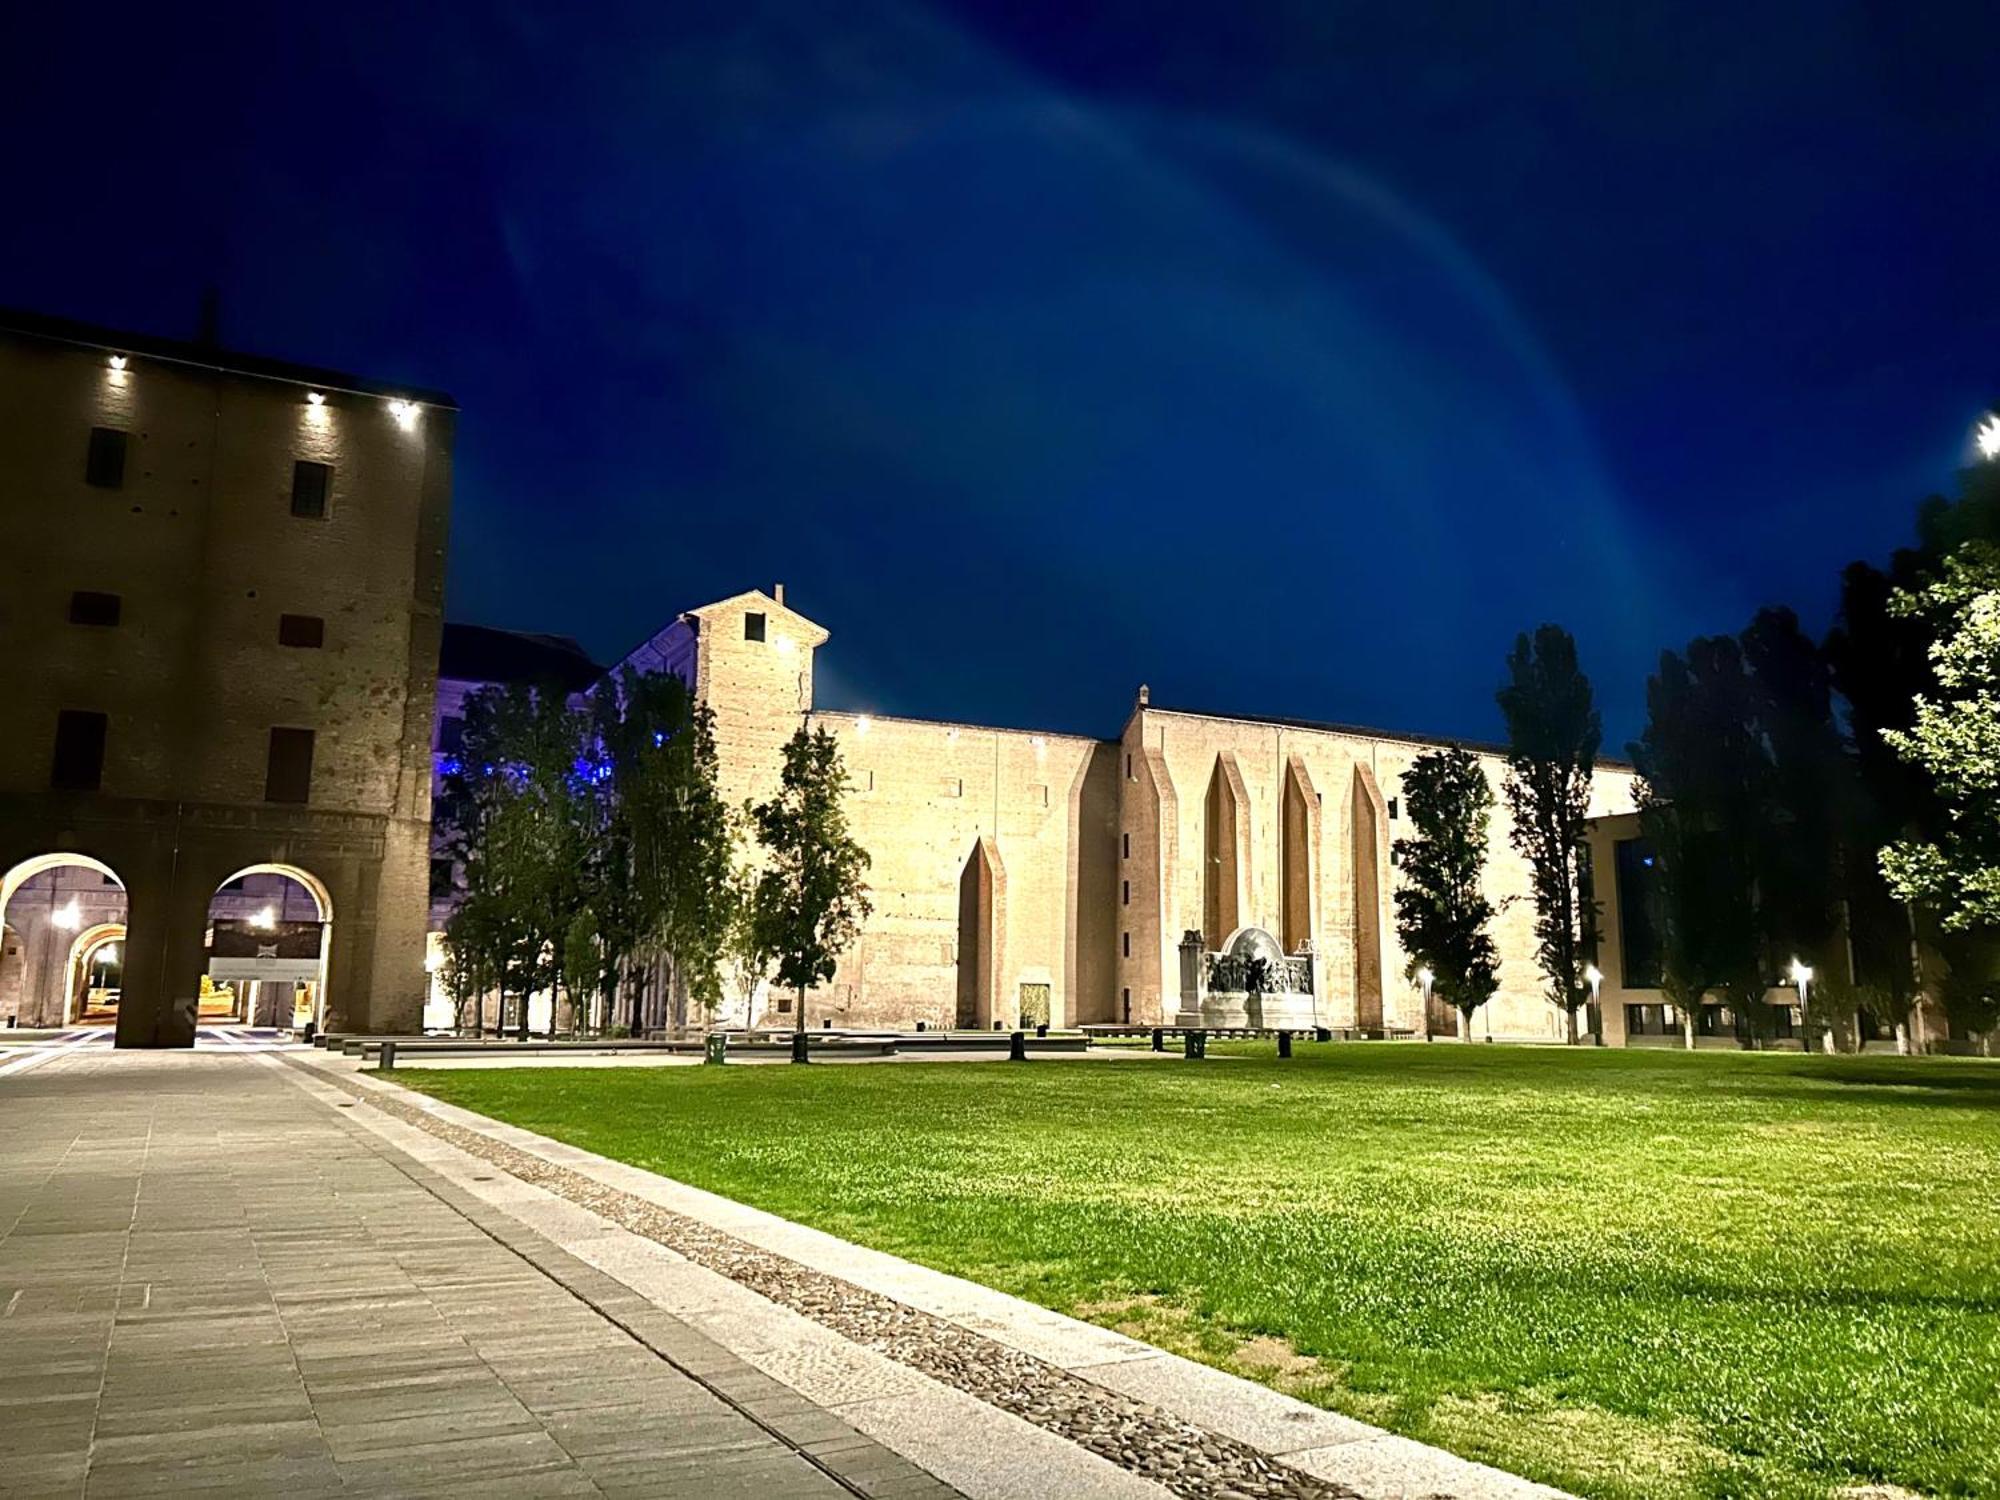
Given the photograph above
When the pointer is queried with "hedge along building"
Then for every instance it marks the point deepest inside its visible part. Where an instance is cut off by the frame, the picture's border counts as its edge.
(1018, 877)
(218, 649)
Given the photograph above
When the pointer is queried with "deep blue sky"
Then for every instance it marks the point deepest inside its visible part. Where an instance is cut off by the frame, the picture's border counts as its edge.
(1289, 357)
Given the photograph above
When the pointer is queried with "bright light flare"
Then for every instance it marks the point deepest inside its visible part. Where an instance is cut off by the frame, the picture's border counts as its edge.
(266, 919)
(1986, 436)
(406, 414)
(68, 917)
(315, 398)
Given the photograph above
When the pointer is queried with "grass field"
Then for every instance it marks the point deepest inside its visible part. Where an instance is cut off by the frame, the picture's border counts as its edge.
(1632, 1274)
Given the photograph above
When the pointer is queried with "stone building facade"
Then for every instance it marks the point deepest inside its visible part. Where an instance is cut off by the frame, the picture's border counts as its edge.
(219, 636)
(1019, 877)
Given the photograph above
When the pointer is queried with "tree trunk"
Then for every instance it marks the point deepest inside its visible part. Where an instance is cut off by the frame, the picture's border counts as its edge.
(1464, 1024)
(1687, 1027)
(1569, 1026)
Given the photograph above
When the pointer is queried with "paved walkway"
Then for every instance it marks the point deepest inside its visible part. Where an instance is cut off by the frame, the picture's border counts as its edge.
(211, 1280)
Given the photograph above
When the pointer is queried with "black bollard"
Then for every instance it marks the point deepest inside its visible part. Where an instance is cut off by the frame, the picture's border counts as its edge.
(1195, 1043)
(1284, 1044)
(1017, 1047)
(386, 1062)
(1159, 1039)
(1321, 1034)
(1043, 1029)
(800, 1052)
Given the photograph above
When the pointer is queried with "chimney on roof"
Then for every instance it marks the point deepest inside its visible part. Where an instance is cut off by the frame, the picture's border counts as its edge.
(778, 592)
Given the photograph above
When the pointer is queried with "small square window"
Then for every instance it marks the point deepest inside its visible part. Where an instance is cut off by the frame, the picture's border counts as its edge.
(79, 759)
(105, 467)
(289, 766)
(88, 608)
(308, 631)
(310, 484)
(753, 625)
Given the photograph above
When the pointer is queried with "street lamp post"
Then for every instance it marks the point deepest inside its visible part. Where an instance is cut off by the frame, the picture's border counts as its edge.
(1425, 979)
(1801, 976)
(1986, 437)
(1594, 977)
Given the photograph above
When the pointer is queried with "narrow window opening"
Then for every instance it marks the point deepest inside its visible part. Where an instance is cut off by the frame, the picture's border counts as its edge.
(288, 767)
(79, 759)
(105, 466)
(310, 483)
(89, 608)
(308, 631)
(753, 625)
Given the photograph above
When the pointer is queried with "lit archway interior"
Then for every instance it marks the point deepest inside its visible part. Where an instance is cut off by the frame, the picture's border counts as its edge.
(60, 912)
(269, 930)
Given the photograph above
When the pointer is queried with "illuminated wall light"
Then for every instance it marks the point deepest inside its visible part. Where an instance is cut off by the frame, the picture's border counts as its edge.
(861, 724)
(68, 917)
(118, 362)
(266, 919)
(315, 398)
(405, 413)
(1986, 436)
(108, 954)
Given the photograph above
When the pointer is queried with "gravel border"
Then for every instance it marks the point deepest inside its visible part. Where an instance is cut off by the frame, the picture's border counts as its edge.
(1191, 1461)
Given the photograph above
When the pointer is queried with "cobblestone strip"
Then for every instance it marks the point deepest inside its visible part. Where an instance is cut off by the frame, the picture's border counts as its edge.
(1189, 1460)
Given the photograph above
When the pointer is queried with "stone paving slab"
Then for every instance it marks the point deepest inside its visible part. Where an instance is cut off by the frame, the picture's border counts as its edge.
(212, 1283)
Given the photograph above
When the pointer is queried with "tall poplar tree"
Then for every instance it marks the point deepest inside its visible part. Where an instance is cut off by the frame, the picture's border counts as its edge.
(1442, 914)
(1553, 733)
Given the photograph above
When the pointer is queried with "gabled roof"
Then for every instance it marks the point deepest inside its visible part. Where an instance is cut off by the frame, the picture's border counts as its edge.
(205, 356)
(480, 653)
(751, 599)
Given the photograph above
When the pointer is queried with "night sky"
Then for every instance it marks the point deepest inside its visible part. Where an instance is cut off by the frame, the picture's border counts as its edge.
(1288, 357)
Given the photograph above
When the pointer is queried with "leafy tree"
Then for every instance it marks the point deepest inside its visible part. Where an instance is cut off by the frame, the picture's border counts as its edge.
(1954, 740)
(1442, 914)
(1701, 794)
(809, 901)
(679, 896)
(525, 808)
(1553, 733)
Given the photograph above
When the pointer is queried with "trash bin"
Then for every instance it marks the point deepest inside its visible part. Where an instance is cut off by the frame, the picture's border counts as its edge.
(717, 1050)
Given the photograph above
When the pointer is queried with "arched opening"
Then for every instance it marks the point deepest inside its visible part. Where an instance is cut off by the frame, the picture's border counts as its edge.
(981, 892)
(60, 913)
(269, 931)
(1226, 838)
(1298, 863)
(96, 975)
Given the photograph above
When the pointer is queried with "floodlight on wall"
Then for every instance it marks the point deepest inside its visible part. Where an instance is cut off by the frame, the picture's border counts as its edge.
(784, 645)
(68, 917)
(1986, 437)
(108, 954)
(861, 724)
(405, 413)
(266, 919)
(315, 398)
(118, 362)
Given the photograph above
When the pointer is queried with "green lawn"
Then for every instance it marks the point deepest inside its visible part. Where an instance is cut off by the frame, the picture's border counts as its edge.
(1628, 1273)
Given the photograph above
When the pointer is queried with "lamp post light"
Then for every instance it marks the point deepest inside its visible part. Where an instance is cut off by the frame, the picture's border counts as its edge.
(1425, 979)
(1801, 976)
(1594, 977)
(1986, 437)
